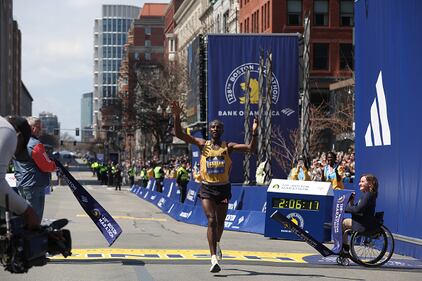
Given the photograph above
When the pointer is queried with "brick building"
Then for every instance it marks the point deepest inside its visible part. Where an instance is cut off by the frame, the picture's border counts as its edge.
(331, 56)
(170, 41)
(144, 48)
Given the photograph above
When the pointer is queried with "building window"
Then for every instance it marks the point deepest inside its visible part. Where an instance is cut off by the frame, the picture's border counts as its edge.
(147, 43)
(226, 22)
(147, 30)
(321, 12)
(147, 56)
(346, 57)
(262, 18)
(170, 46)
(346, 13)
(294, 12)
(321, 56)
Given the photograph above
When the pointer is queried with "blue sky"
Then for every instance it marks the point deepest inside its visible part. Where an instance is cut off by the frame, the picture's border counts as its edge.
(57, 53)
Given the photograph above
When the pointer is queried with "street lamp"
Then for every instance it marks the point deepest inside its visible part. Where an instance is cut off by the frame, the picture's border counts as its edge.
(159, 109)
(164, 120)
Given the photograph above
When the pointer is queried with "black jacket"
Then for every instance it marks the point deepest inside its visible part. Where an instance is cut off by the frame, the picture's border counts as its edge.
(363, 212)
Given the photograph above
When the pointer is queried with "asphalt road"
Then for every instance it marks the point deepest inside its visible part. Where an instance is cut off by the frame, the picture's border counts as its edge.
(153, 246)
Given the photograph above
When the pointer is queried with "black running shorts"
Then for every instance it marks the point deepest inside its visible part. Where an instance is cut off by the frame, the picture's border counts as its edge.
(219, 193)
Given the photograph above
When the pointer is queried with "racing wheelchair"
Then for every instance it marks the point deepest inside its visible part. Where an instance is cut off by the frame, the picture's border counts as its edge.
(371, 248)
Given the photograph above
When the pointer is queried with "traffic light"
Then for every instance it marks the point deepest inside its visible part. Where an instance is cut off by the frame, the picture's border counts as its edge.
(77, 132)
(74, 142)
(61, 142)
(56, 132)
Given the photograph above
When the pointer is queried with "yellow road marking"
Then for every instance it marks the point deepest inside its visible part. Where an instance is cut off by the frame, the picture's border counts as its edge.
(127, 218)
(178, 254)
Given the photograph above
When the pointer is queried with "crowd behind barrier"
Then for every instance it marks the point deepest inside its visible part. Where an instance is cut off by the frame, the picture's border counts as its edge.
(105, 171)
(345, 159)
(247, 206)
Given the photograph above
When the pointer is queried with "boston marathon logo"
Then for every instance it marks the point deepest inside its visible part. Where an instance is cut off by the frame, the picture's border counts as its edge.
(297, 219)
(235, 87)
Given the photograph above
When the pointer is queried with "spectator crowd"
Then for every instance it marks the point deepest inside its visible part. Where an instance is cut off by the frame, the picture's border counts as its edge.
(336, 167)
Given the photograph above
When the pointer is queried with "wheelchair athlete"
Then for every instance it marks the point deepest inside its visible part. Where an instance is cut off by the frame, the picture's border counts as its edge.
(363, 213)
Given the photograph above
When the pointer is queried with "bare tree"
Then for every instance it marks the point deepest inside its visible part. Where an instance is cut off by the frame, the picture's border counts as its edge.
(158, 85)
(338, 122)
(285, 150)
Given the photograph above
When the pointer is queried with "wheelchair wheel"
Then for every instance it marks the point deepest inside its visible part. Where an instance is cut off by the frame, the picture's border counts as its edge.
(372, 249)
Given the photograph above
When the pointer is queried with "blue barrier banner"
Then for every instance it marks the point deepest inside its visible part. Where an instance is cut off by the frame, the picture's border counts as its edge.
(154, 197)
(164, 203)
(145, 194)
(237, 219)
(198, 216)
(140, 191)
(246, 221)
(192, 193)
(185, 213)
(340, 202)
(175, 209)
(171, 190)
(254, 198)
(235, 202)
(151, 184)
(229, 56)
(102, 219)
(255, 222)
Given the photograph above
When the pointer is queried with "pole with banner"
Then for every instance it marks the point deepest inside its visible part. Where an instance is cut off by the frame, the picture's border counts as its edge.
(102, 219)
(246, 124)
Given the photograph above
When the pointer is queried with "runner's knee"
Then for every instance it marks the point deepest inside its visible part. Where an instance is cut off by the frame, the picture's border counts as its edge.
(212, 221)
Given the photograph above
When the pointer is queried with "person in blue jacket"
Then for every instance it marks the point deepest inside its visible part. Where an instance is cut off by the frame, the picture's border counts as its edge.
(363, 212)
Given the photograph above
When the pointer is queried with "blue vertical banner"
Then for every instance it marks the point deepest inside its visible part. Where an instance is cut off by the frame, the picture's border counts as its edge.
(229, 57)
(388, 113)
(340, 202)
(109, 228)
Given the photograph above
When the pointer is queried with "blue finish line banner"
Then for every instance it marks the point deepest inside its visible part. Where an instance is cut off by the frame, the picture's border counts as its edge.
(102, 219)
(229, 56)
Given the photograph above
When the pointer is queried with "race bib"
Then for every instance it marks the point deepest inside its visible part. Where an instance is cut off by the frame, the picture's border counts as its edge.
(215, 165)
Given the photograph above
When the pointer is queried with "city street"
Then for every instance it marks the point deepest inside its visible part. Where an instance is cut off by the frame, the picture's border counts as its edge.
(153, 246)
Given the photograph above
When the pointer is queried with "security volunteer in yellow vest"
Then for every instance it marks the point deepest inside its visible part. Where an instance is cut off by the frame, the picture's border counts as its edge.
(215, 164)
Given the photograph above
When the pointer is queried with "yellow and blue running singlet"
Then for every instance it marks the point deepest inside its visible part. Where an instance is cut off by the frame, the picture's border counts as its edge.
(215, 164)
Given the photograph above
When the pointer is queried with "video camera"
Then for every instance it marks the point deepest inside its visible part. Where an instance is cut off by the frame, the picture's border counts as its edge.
(21, 248)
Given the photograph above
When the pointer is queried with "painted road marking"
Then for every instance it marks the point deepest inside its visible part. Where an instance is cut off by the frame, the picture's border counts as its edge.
(165, 254)
(127, 218)
(108, 254)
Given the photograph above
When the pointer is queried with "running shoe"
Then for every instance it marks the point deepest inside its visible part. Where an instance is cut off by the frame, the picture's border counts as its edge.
(219, 253)
(215, 267)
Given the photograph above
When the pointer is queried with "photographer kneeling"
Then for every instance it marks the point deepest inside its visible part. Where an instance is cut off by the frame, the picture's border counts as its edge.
(14, 135)
(20, 247)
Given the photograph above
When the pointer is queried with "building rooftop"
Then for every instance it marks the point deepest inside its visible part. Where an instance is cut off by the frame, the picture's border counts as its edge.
(153, 9)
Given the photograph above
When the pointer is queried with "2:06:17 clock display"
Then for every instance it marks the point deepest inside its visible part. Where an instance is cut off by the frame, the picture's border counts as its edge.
(295, 204)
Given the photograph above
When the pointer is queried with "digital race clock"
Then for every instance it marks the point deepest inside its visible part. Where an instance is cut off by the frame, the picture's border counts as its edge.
(295, 204)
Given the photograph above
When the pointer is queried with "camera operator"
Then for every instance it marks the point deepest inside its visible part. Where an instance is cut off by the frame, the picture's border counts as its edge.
(14, 135)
